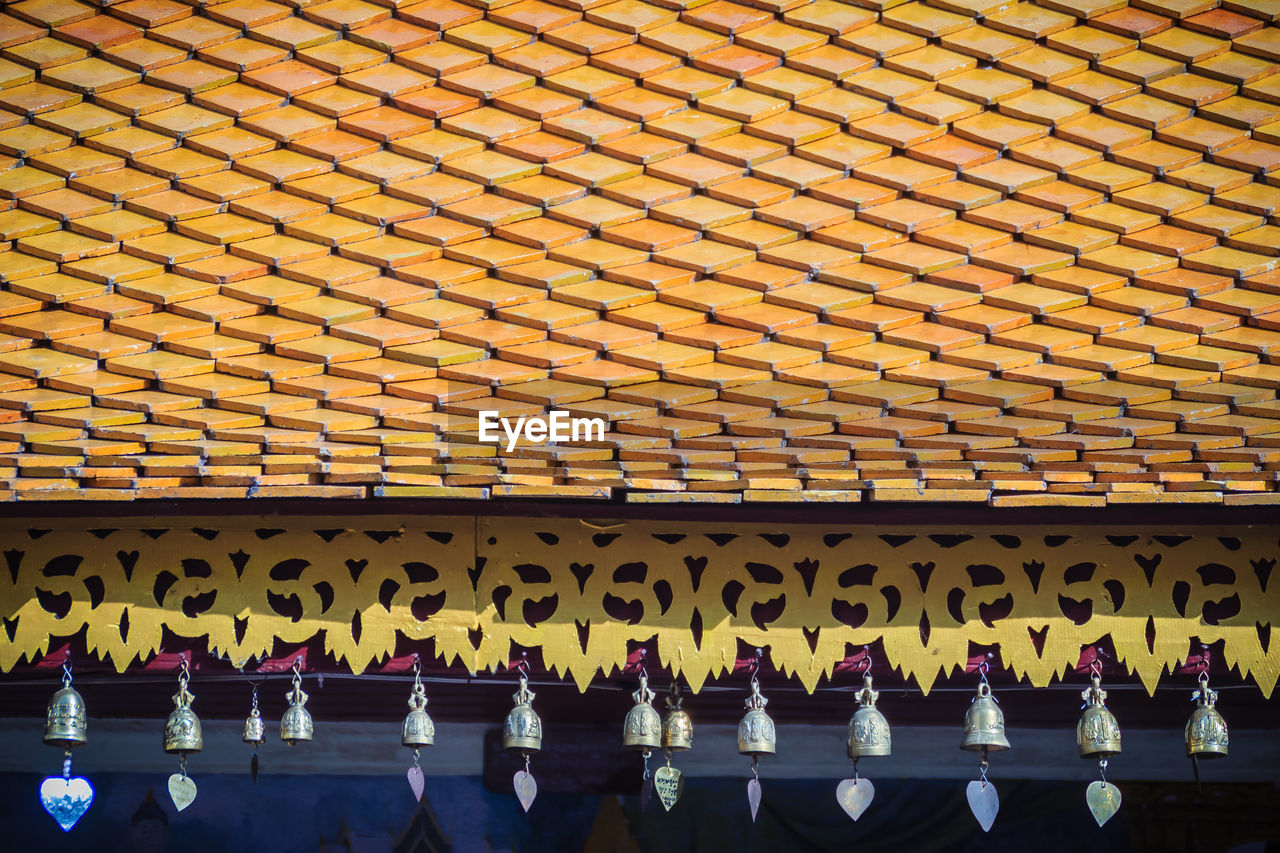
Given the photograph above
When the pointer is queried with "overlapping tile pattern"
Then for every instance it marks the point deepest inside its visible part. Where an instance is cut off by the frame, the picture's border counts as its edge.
(1022, 253)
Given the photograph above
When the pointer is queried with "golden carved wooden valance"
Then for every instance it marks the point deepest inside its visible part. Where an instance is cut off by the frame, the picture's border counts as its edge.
(582, 591)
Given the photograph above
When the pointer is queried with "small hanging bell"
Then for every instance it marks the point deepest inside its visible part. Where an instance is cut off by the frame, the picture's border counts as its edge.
(756, 733)
(418, 729)
(254, 734)
(1206, 731)
(255, 728)
(296, 725)
(66, 798)
(677, 728)
(868, 729)
(65, 725)
(523, 728)
(182, 737)
(643, 727)
(1097, 733)
(182, 734)
(984, 723)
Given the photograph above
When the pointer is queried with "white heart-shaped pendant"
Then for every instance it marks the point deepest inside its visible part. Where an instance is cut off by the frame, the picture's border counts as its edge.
(416, 782)
(753, 797)
(670, 784)
(182, 789)
(66, 800)
(1104, 801)
(526, 788)
(983, 802)
(854, 795)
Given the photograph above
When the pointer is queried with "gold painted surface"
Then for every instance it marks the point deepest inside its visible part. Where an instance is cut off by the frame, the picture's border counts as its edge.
(582, 592)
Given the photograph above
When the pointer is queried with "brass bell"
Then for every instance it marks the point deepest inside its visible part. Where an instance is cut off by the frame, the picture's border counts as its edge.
(182, 733)
(677, 728)
(1097, 733)
(255, 729)
(1206, 731)
(418, 729)
(643, 727)
(295, 725)
(868, 729)
(984, 723)
(65, 725)
(523, 728)
(756, 733)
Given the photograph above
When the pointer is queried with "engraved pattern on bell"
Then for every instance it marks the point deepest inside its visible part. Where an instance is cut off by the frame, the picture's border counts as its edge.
(523, 728)
(756, 732)
(418, 729)
(1097, 733)
(984, 723)
(643, 726)
(677, 731)
(182, 732)
(296, 725)
(868, 729)
(65, 724)
(1206, 732)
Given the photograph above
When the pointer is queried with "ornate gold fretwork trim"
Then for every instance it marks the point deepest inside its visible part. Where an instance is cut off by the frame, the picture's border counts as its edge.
(581, 592)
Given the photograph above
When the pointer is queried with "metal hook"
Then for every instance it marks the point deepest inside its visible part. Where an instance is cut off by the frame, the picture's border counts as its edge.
(866, 661)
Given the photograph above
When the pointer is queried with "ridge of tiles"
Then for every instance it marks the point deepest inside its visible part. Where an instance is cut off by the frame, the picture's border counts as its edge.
(1021, 254)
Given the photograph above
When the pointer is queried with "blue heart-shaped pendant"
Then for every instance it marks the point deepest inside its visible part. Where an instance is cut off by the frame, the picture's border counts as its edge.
(66, 799)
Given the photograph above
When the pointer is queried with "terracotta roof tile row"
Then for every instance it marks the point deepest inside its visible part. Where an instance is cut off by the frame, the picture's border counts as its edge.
(965, 250)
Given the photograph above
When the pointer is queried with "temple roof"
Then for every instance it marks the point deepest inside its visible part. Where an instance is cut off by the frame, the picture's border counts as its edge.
(1015, 253)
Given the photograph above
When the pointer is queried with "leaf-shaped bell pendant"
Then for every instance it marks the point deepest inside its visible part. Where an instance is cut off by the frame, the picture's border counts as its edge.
(868, 729)
(418, 729)
(643, 727)
(1206, 731)
(677, 728)
(296, 725)
(65, 724)
(1097, 733)
(756, 733)
(182, 734)
(984, 723)
(523, 728)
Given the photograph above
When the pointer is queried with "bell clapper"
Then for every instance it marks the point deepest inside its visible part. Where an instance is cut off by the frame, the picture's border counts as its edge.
(66, 798)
